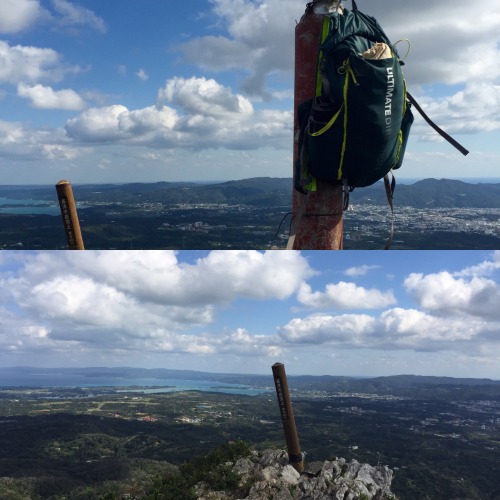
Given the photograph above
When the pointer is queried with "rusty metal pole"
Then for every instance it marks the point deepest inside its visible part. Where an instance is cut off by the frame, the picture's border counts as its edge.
(289, 428)
(69, 215)
(317, 216)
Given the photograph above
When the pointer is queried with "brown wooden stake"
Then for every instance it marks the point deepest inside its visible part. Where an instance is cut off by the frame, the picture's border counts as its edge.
(69, 215)
(287, 418)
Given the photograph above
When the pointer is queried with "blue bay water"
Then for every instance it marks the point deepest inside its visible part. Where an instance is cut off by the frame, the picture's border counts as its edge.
(146, 385)
(28, 207)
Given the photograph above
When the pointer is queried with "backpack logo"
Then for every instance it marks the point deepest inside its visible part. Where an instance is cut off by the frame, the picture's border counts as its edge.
(388, 95)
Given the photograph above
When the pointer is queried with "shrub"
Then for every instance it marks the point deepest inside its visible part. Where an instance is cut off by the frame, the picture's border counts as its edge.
(213, 469)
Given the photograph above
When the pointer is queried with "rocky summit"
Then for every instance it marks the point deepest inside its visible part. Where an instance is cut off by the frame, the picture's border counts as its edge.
(270, 476)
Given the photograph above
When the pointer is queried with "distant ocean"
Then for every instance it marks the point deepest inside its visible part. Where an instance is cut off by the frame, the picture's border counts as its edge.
(146, 385)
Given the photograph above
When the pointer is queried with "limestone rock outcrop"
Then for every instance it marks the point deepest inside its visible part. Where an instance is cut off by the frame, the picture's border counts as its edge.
(268, 475)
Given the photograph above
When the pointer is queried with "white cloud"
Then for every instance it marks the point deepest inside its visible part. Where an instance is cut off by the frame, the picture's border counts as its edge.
(460, 313)
(446, 46)
(360, 270)
(484, 268)
(405, 328)
(22, 63)
(20, 141)
(448, 49)
(203, 114)
(47, 98)
(117, 123)
(199, 96)
(10, 133)
(127, 305)
(344, 295)
(260, 39)
(18, 15)
(76, 15)
(88, 299)
(59, 152)
(241, 342)
(142, 75)
(253, 274)
(348, 329)
(157, 276)
(468, 111)
(395, 328)
(443, 293)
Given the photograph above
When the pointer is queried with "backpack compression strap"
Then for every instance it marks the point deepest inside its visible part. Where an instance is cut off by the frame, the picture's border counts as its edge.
(439, 130)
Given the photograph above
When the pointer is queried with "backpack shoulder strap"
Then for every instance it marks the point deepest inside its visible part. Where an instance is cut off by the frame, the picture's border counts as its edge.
(390, 186)
(439, 130)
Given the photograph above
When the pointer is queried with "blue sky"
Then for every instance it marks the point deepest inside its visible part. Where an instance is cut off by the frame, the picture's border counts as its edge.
(97, 91)
(339, 313)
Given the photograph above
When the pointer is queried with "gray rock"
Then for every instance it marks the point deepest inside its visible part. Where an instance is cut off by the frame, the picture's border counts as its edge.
(272, 477)
(289, 475)
(314, 468)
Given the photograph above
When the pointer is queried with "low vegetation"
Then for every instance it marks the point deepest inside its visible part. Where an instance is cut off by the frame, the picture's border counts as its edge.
(441, 441)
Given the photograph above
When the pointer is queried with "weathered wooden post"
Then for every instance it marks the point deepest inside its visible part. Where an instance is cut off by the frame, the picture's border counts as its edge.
(69, 215)
(286, 410)
(316, 217)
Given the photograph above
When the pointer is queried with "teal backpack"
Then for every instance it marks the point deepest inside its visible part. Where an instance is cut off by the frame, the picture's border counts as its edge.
(355, 129)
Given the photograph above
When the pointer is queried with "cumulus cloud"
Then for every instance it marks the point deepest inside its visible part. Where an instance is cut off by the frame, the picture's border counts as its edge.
(47, 98)
(457, 311)
(201, 96)
(484, 268)
(468, 111)
(10, 133)
(344, 295)
(260, 39)
(18, 140)
(159, 277)
(201, 114)
(395, 328)
(219, 304)
(90, 301)
(98, 124)
(242, 342)
(349, 329)
(20, 63)
(446, 46)
(116, 123)
(443, 293)
(18, 15)
(448, 49)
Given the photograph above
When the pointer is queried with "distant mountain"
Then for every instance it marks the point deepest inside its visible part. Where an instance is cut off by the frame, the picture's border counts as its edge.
(429, 193)
(259, 191)
(267, 191)
(334, 383)
(408, 381)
